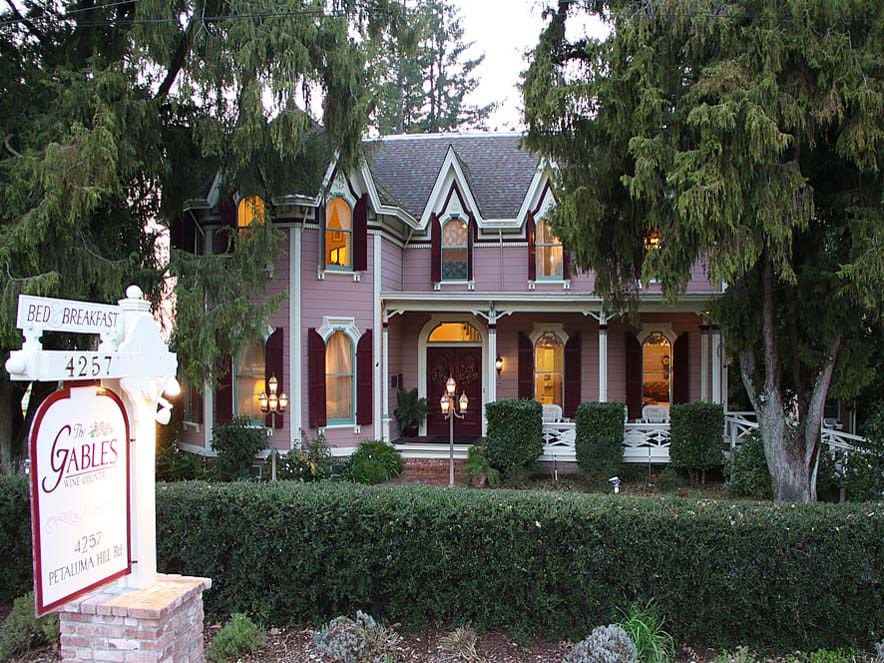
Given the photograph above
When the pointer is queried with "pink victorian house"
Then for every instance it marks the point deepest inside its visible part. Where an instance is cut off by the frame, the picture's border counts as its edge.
(435, 260)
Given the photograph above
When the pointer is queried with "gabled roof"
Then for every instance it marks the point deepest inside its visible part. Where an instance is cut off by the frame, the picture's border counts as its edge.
(498, 172)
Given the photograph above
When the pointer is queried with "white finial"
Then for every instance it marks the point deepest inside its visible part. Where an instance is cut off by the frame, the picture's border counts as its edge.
(134, 292)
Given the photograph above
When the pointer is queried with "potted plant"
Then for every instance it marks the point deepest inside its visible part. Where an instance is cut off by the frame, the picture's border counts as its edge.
(410, 411)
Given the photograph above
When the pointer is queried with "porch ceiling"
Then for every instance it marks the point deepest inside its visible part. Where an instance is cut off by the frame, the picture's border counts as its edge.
(507, 303)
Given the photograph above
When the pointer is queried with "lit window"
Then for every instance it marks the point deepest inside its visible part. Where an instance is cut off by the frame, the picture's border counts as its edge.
(338, 234)
(455, 332)
(656, 370)
(652, 240)
(248, 380)
(250, 211)
(454, 250)
(339, 378)
(549, 367)
(548, 252)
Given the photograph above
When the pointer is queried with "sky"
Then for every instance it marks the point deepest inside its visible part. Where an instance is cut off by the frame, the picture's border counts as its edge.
(505, 30)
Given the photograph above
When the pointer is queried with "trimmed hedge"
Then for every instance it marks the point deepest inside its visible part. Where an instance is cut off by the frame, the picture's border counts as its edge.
(696, 432)
(599, 443)
(15, 537)
(515, 434)
(765, 575)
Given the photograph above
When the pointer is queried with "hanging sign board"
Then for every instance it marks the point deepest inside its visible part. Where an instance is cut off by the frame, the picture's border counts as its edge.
(79, 449)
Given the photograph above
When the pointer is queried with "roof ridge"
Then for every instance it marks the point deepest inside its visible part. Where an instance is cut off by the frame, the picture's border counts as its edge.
(443, 136)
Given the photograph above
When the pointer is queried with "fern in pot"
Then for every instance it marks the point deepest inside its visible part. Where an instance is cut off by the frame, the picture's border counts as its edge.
(410, 411)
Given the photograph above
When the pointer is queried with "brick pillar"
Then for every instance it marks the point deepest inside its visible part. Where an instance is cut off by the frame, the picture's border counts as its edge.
(161, 623)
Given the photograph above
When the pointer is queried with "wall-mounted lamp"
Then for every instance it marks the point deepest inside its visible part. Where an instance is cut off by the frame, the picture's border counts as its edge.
(498, 364)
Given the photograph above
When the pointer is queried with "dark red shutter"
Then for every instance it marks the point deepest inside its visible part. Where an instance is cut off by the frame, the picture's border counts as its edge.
(566, 263)
(360, 234)
(633, 352)
(435, 249)
(273, 366)
(320, 220)
(316, 378)
(471, 232)
(526, 367)
(681, 370)
(531, 236)
(225, 235)
(182, 233)
(572, 376)
(224, 397)
(364, 379)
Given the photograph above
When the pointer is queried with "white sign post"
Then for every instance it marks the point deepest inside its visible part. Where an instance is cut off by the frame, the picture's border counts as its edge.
(79, 450)
(133, 362)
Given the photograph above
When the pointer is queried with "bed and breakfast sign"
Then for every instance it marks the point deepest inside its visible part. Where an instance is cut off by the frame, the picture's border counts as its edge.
(80, 493)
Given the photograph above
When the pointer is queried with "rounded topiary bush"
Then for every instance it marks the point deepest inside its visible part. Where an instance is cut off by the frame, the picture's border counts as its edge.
(515, 435)
(374, 461)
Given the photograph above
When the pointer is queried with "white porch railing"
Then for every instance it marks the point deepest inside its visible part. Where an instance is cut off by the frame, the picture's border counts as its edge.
(645, 443)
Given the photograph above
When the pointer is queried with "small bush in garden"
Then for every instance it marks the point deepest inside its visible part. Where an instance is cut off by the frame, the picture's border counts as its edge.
(311, 461)
(833, 656)
(175, 465)
(644, 626)
(237, 637)
(477, 466)
(461, 644)
(599, 442)
(22, 631)
(741, 655)
(746, 473)
(374, 461)
(696, 437)
(606, 644)
(237, 443)
(514, 438)
(355, 641)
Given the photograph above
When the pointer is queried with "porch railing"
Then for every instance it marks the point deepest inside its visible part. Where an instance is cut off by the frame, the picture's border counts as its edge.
(645, 442)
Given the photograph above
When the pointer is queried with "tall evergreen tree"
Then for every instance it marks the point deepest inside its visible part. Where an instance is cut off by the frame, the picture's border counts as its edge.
(106, 111)
(426, 91)
(748, 135)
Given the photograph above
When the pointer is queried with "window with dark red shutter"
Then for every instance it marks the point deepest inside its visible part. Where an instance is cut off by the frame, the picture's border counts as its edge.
(360, 234)
(572, 375)
(531, 236)
(472, 232)
(316, 378)
(224, 397)
(274, 366)
(526, 367)
(364, 379)
(435, 249)
(633, 368)
(681, 370)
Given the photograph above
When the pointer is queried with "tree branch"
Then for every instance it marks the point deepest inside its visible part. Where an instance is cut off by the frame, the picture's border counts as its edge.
(35, 32)
(9, 147)
(747, 372)
(768, 333)
(178, 58)
(817, 402)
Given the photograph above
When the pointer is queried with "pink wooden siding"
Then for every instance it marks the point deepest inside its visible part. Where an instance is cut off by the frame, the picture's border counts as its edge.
(391, 265)
(337, 295)
(194, 435)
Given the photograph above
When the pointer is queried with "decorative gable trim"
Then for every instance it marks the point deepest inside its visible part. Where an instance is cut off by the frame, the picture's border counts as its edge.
(540, 196)
(450, 170)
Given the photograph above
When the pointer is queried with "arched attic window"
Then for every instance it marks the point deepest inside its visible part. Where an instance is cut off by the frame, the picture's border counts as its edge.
(250, 211)
(455, 250)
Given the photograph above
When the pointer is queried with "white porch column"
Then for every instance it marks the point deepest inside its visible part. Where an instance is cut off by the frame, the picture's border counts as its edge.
(704, 362)
(603, 359)
(716, 364)
(379, 385)
(385, 377)
(491, 395)
(296, 353)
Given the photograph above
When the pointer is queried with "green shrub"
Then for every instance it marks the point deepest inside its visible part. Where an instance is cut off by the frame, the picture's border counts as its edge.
(237, 443)
(312, 461)
(772, 576)
(599, 443)
(746, 473)
(172, 464)
(741, 655)
(15, 537)
(237, 637)
(696, 431)
(477, 466)
(374, 461)
(514, 439)
(644, 625)
(22, 631)
(833, 656)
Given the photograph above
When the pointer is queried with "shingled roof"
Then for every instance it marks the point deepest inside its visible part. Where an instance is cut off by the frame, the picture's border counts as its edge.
(499, 173)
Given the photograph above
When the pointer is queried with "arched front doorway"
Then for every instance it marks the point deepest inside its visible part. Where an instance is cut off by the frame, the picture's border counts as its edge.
(656, 370)
(454, 349)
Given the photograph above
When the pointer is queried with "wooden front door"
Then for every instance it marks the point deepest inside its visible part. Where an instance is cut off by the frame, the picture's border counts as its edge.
(465, 366)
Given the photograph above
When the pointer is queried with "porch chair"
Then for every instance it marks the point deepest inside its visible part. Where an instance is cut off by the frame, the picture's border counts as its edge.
(655, 414)
(551, 413)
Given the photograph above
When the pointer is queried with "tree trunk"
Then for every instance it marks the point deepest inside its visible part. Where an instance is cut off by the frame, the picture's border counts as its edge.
(784, 450)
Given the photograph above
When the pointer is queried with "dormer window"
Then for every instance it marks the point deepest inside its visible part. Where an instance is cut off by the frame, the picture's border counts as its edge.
(338, 235)
(455, 250)
(250, 211)
(548, 253)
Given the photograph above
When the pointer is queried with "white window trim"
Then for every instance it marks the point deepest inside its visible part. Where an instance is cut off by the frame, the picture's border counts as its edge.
(347, 325)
